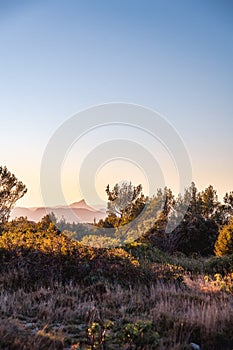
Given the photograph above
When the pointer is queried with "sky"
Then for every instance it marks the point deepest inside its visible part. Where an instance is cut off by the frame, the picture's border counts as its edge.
(61, 57)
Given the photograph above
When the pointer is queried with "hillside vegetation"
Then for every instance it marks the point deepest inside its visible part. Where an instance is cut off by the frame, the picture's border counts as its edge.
(59, 294)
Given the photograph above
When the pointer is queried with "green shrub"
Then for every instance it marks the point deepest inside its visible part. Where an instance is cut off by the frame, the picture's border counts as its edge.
(219, 264)
(140, 333)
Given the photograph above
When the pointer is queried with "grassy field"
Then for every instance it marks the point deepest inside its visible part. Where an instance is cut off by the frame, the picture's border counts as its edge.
(58, 294)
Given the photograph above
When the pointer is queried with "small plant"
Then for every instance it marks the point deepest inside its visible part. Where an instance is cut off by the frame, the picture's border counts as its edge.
(95, 334)
(141, 333)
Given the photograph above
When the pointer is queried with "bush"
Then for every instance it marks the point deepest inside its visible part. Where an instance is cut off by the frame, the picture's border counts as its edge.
(219, 264)
(140, 333)
(224, 243)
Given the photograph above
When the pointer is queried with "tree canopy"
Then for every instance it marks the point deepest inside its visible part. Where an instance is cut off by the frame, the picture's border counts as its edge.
(125, 203)
(11, 190)
(189, 223)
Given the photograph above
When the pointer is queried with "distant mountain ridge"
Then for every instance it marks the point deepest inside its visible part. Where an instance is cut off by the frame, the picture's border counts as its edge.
(75, 212)
(81, 205)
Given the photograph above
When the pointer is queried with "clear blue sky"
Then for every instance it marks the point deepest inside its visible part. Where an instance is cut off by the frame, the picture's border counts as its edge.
(58, 57)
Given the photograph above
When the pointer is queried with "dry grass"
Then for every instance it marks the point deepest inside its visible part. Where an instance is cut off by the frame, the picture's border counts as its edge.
(59, 317)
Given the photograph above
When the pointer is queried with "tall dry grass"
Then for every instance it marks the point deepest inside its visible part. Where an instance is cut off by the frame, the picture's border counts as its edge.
(58, 317)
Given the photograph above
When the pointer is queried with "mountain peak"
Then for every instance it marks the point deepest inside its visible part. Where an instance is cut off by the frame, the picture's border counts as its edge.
(80, 204)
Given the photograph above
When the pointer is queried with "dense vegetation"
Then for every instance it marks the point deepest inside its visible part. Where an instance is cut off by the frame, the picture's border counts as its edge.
(196, 218)
(158, 292)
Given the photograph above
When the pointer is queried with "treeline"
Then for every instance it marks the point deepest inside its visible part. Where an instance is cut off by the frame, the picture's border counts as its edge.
(193, 223)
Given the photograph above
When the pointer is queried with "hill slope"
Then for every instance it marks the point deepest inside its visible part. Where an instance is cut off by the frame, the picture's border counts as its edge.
(76, 212)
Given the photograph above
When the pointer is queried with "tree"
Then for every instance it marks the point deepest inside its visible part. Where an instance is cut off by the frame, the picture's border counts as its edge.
(191, 219)
(167, 200)
(198, 235)
(227, 208)
(224, 243)
(209, 203)
(193, 197)
(198, 230)
(125, 203)
(228, 201)
(11, 190)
